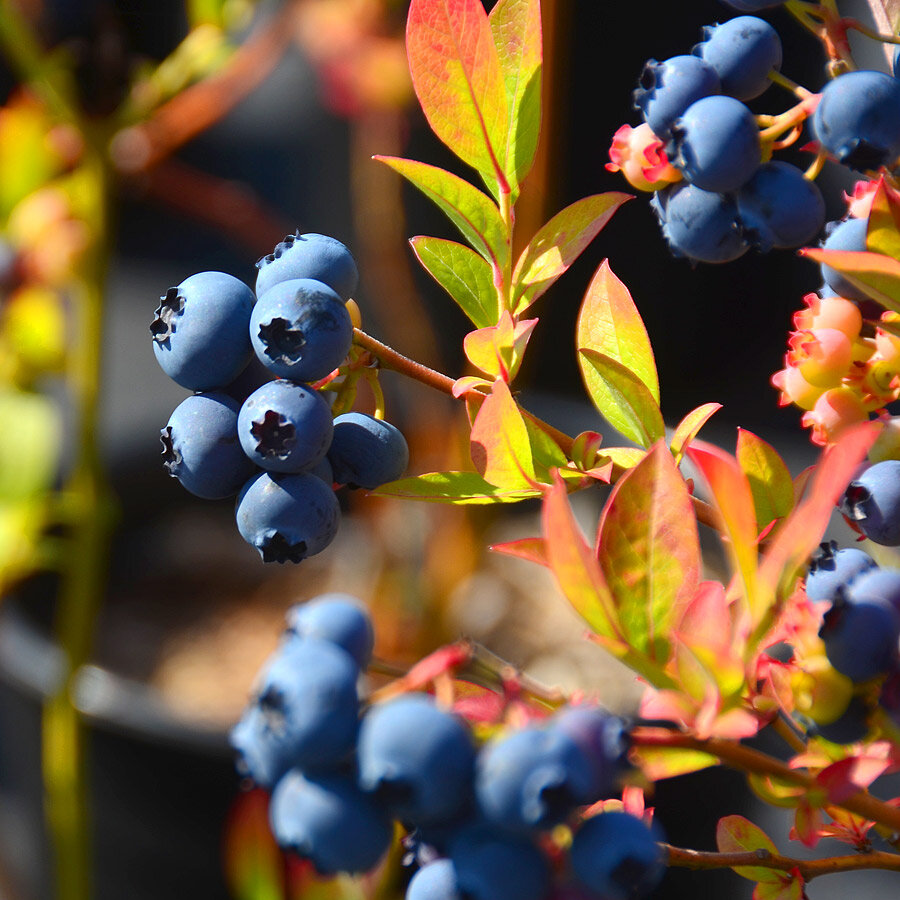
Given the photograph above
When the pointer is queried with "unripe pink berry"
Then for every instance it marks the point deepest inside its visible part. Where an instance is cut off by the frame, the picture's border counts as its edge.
(795, 388)
(887, 344)
(640, 156)
(829, 312)
(823, 355)
(835, 411)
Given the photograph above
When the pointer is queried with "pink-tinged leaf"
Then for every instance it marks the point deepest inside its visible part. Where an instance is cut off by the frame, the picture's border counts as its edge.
(530, 549)
(575, 567)
(465, 275)
(784, 887)
(849, 776)
(498, 349)
(807, 824)
(458, 79)
(454, 487)
(668, 706)
(733, 501)
(649, 551)
(801, 532)
(610, 323)
(622, 398)
(253, 864)
(735, 834)
(876, 274)
(471, 211)
(499, 442)
(559, 243)
(883, 232)
(624, 457)
(689, 427)
(664, 762)
(470, 386)
(769, 477)
(516, 28)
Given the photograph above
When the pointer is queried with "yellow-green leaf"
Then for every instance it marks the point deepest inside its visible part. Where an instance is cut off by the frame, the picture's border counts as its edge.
(453, 487)
(883, 231)
(499, 442)
(768, 475)
(876, 274)
(689, 427)
(735, 834)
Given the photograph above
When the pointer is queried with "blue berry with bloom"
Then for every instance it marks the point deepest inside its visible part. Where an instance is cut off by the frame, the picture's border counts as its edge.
(861, 635)
(366, 452)
(872, 502)
(832, 568)
(338, 618)
(849, 234)
(315, 256)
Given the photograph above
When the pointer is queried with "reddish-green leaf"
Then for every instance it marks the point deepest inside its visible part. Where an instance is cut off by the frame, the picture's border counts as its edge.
(499, 442)
(735, 834)
(458, 79)
(649, 551)
(464, 275)
(471, 211)
(621, 398)
(576, 568)
(530, 549)
(253, 865)
(453, 487)
(689, 427)
(610, 323)
(559, 243)
(769, 477)
(733, 500)
(782, 888)
(876, 274)
(883, 231)
(498, 349)
(516, 28)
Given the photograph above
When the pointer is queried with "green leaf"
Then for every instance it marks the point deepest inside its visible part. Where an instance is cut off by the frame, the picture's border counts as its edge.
(516, 29)
(668, 762)
(649, 550)
(689, 427)
(883, 231)
(470, 210)
(559, 243)
(547, 454)
(458, 79)
(735, 834)
(621, 398)
(610, 323)
(29, 450)
(455, 488)
(499, 444)
(874, 273)
(464, 275)
(769, 477)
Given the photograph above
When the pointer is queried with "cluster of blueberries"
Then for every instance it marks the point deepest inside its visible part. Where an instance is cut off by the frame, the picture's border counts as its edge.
(717, 192)
(861, 626)
(478, 819)
(265, 433)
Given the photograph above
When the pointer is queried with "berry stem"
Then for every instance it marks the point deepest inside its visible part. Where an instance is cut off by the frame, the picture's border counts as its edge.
(788, 84)
(806, 868)
(856, 25)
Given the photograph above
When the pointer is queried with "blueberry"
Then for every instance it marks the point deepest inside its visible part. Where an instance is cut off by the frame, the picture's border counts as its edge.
(329, 821)
(847, 235)
(338, 618)
(616, 855)
(666, 89)
(285, 427)
(300, 329)
(858, 119)
(860, 636)
(436, 881)
(876, 585)
(715, 144)
(200, 335)
(832, 568)
(201, 447)
(287, 517)
(366, 452)
(532, 779)
(261, 752)
(700, 225)
(309, 256)
(743, 51)
(778, 207)
(416, 758)
(752, 5)
(872, 502)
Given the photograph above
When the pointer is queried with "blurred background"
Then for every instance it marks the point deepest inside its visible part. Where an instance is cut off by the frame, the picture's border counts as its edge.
(203, 131)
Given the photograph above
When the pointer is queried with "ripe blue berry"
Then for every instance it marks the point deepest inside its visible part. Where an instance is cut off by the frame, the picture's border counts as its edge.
(309, 256)
(329, 821)
(881, 585)
(200, 335)
(858, 119)
(872, 502)
(847, 235)
(366, 452)
(700, 225)
(743, 51)
(436, 881)
(616, 855)
(860, 636)
(287, 517)
(778, 207)
(338, 618)
(261, 753)
(666, 89)
(285, 427)
(300, 329)
(832, 568)
(715, 144)
(415, 758)
(532, 779)
(201, 447)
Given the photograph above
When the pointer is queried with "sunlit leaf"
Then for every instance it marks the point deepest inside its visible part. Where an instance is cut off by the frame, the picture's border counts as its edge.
(667, 762)
(454, 487)
(499, 442)
(465, 275)
(689, 427)
(768, 475)
(876, 274)
(649, 551)
(883, 231)
(530, 549)
(782, 888)
(459, 81)
(559, 243)
(498, 349)
(30, 443)
(621, 398)
(735, 834)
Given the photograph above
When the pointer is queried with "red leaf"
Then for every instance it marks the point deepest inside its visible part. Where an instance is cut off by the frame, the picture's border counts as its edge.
(530, 549)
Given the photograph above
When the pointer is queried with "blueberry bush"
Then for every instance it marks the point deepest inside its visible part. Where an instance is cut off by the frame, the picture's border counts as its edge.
(459, 777)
